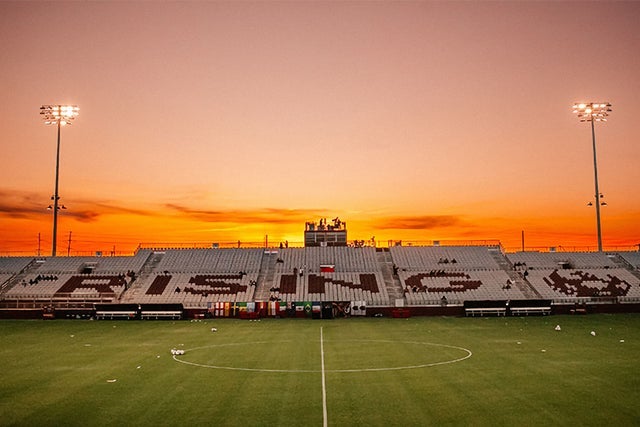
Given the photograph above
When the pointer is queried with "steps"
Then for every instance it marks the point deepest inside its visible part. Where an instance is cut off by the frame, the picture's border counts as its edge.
(391, 282)
(265, 277)
(623, 263)
(30, 268)
(134, 287)
(521, 283)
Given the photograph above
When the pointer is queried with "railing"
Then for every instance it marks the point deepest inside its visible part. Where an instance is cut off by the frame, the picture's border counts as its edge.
(85, 253)
(586, 300)
(299, 244)
(159, 246)
(31, 303)
(560, 249)
(485, 242)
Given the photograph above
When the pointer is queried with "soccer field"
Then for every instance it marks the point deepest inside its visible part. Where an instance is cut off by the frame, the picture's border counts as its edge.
(369, 371)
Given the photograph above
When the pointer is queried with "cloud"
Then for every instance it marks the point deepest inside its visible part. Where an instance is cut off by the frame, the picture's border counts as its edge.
(25, 205)
(21, 205)
(260, 216)
(107, 208)
(32, 205)
(423, 222)
(25, 210)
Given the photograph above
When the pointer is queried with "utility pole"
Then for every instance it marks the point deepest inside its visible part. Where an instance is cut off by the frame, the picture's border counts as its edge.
(69, 245)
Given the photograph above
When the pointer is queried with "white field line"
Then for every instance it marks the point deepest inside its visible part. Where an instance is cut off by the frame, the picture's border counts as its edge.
(323, 370)
(324, 386)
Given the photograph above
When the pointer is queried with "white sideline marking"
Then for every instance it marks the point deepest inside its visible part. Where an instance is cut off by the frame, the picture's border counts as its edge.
(324, 387)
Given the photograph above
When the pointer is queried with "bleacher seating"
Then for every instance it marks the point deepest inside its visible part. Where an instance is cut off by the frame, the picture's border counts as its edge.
(13, 265)
(159, 285)
(194, 289)
(344, 259)
(333, 287)
(69, 286)
(211, 260)
(430, 287)
(329, 274)
(551, 260)
(199, 277)
(450, 258)
(4, 279)
(434, 274)
(633, 258)
(422, 276)
(585, 283)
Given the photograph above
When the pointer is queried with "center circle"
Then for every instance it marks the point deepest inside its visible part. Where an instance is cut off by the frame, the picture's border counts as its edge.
(417, 355)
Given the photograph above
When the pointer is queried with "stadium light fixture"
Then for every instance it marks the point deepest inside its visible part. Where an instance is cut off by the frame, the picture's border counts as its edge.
(594, 112)
(59, 115)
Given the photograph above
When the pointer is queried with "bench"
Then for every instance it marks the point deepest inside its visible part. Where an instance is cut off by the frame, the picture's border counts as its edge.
(481, 311)
(111, 315)
(156, 315)
(517, 311)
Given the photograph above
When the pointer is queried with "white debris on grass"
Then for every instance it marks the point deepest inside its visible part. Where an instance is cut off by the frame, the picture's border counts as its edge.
(558, 328)
(593, 333)
(544, 351)
(112, 381)
(177, 352)
(214, 329)
(621, 340)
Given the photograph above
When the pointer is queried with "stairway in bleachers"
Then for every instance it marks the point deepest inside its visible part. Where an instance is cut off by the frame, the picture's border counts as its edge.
(393, 285)
(31, 267)
(622, 263)
(265, 277)
(147, 268)
(524, 286)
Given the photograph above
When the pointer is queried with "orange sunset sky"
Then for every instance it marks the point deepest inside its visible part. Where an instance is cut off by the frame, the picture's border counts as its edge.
(225, 121)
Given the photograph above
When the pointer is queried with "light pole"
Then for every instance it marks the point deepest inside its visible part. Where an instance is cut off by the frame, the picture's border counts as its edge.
(594, 112)
(60, 115)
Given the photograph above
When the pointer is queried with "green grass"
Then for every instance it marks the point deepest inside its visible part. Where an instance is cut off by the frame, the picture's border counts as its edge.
(521, 372)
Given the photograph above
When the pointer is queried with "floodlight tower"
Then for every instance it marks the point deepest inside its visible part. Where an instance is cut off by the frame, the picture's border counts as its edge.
(60, 115)
(594, 112)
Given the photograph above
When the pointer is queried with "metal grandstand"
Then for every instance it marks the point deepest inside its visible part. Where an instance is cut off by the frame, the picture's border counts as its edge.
(411, 280)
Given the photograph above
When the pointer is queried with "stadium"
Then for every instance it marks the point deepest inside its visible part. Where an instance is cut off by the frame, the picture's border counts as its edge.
(326, 334)
(228, 132)
(326, 278)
